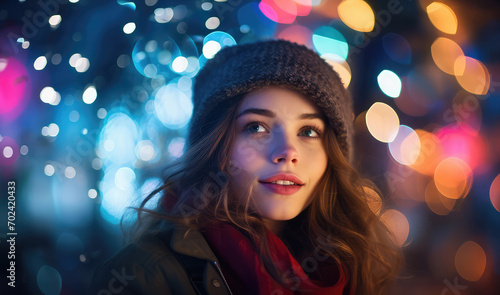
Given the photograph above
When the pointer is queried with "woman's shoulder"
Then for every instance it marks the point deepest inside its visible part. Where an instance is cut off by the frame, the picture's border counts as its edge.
(146, 266)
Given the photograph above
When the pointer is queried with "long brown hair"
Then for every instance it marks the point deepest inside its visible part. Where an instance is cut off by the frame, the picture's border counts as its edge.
(338, 223)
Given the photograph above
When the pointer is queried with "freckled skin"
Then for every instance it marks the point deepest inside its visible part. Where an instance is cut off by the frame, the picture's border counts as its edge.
(283, 144)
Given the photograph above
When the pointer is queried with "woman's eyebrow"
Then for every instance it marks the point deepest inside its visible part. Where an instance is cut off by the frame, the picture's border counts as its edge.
(271, 114)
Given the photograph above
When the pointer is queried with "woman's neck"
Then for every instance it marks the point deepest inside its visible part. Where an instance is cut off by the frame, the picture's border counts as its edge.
(275, 226)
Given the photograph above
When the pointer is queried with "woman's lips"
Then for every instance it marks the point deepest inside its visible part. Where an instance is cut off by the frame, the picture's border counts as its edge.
(282, 189)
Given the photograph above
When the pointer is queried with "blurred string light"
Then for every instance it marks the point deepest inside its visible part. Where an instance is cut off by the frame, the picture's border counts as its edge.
(397, 48)
(206, 6)
(81, 64)
(495, 193)
(405, 148)
(74, 116)
(357, 15)
(442, 17)
(172, 106)
(129, 28)
(70, 172)
(436, 201)
(55, 20)
(49, 170)
(389, 83)
(9, 151)
(453, 178)
(89, 95)
(52, 130)
(340, 66)
(284, 11)
(212, 23)
(163, 15)
(40, 63)
(50, 96)
(398, 225)
(56, 59)
(250, 17)
(470, 261)
(92, 193)
(101, 113)
(328, 40)
(24, 150)
(382, 122)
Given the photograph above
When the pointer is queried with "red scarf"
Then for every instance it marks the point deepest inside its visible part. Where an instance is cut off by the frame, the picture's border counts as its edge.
(246, 274)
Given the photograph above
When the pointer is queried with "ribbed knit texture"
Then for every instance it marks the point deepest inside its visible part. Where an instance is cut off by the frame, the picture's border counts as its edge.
(236, 70)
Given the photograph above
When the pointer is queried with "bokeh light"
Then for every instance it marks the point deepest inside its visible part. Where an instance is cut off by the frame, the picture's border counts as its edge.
(251, 16)
(453, 178)
(14, 85)
(298, 34)
(397, 224)
(357, 15)
(117, 139)
(176, 146)
(389, 83)
(442, 17)
(382, 122)
(284, 11)
(129, 28)
(445, 53)
(472, 75)
(431, 153)
(50, 96)
(49, 280)
(460, 141)
(340, 66)
(470, 261)
(40, 63)
(437, 202)
(405, 148)
(495, 193)
(89, 95)
(329, 40)
(172, 106)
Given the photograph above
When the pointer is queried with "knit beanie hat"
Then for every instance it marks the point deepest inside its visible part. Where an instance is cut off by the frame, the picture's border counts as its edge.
(237, 70)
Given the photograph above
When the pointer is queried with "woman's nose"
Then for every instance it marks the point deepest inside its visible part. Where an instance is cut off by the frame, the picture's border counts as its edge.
(284, 151)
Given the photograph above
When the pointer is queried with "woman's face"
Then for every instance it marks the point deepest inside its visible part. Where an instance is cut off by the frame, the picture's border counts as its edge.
(279, 136)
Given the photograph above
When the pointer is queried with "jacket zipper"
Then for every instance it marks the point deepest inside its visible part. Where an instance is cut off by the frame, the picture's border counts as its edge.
(222, 276)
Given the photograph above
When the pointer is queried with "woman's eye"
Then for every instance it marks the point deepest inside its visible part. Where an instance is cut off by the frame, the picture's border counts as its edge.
(310, 132)
(255, 128)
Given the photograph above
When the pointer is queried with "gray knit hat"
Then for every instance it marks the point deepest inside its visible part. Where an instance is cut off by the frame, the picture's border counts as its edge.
(237, 70)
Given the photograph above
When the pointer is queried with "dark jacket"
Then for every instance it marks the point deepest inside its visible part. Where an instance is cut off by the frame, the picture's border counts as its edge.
(166, 263)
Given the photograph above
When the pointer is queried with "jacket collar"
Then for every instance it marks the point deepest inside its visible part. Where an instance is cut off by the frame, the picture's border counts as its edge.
(191, 243)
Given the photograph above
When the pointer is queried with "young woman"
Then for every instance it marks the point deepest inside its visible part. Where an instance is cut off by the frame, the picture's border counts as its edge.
(265, 199)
